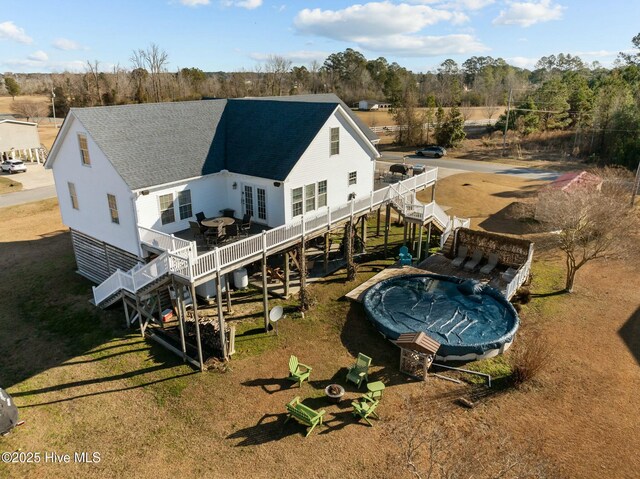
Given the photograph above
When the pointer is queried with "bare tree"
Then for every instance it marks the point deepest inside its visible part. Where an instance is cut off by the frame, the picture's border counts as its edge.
(590, 223)
(30, 109)
(277, 68)
(154, 60)
(92, 71)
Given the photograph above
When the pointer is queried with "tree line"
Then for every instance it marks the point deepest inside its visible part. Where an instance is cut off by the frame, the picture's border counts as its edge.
(600, 106)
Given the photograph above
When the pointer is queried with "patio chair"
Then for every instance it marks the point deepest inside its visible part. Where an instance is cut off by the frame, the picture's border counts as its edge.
(462, 255)
(199, 217)
(304, 414)
(197, 231)
(245, 224)
(508, 275)
(365, 407)
(359, 371)
(298, 372)
(232, 231)
(474, 261)
(404, 256)
(214, 236)
(491, 264)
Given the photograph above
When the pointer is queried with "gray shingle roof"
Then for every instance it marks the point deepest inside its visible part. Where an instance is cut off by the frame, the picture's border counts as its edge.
(157, 143)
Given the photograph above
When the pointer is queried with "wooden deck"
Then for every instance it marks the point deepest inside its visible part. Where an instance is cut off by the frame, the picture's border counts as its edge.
(395, 270)
(204, 248)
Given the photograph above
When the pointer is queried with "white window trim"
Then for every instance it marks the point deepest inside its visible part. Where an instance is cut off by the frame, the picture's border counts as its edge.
(332, 141)
(173, 208)
(82, 157)
(180, 205)
(115, 202)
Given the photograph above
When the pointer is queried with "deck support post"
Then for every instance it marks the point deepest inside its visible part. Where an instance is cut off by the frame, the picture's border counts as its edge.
(386, 229)
(302, 266)
(197, 321)
(428, 242)
(265, 290)
(378, 221)
(433, 192)
(351, 267)
(221, 325)
(404, 234)
(228, 296)
(327, 244)
(182, 313)
(287, 273)
(419, 253)
(140, 321)
(363, 233)
(126, 314)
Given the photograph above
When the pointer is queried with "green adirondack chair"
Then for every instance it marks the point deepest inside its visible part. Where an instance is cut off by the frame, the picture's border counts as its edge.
(304, 414)
(359, 371)
(298, 372)
(366, 407)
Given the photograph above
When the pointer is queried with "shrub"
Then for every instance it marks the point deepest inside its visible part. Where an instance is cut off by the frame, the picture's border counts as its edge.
(530, 357)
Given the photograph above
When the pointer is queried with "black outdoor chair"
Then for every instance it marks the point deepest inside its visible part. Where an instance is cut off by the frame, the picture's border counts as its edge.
(232, 231)
(245, 225)
(215, 236)
(196, 229)
(200, 216)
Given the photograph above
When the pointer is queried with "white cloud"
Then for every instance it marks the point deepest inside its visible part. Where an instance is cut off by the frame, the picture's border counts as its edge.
(374, 19)
(38, 66)
(66, 44)
(523, 62)
(423, 46)
(456, 4)
(38, 56)
(296, 57)
(194, 3)
(389, 28)
(248, 4)
(10, 31)
(526, 14)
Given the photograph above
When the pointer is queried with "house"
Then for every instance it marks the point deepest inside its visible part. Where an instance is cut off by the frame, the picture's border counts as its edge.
(367, 105)
(20, 139)
(124, 170)
(568, 183)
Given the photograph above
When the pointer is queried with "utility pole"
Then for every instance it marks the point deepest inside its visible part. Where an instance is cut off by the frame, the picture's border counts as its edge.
(506, 124)
(53, 107)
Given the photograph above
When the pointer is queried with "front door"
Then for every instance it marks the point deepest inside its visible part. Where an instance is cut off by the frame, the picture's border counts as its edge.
(254, 202)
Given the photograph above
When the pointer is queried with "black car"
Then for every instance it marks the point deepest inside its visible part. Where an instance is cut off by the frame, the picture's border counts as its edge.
(432, 151)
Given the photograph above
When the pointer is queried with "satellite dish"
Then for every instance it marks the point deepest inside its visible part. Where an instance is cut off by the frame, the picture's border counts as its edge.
(8, 413)
(276, 313)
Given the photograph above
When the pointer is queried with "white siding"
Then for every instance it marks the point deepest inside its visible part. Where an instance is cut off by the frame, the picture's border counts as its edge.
(18, 136)
(92, 185)
(207, 195)
(317, 164)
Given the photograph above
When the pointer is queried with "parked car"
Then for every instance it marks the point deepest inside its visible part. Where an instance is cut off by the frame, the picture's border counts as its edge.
(401, 168)
(13, 166)
(432, 151)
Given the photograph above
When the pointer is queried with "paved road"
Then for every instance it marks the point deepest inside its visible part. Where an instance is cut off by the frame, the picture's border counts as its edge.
(471, 165)
(27, 196)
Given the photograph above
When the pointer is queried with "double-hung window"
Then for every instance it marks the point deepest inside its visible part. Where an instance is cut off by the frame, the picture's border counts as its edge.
(184, 204)
(73, 195)
(322, 193)
(353, 177)
(335, 141)
(296, 201)
(84, 149)
(310, 197)
(167, 213)
(113, 208)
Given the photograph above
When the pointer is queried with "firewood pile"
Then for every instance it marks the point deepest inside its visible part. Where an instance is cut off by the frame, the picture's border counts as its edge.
(209, 332)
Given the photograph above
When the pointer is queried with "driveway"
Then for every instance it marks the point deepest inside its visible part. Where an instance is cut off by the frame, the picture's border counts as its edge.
(456, 165)
(37, 184)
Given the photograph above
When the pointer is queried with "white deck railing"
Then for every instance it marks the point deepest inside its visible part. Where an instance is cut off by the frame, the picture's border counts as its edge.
(180, 255)
(521, 276)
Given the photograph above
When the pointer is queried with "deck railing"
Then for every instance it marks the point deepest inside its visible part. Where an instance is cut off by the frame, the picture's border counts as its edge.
(180, 258)
(521, 276)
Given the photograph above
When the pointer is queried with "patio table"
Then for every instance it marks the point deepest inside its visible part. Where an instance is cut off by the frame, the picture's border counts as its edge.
(218, 221)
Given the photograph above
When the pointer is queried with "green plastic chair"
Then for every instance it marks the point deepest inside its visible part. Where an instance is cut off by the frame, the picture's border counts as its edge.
(304, 414)
(366, 407)
(359, 371)
(298, 372)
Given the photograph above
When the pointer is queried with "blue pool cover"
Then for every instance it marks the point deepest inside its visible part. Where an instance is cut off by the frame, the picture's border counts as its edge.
(464, 316)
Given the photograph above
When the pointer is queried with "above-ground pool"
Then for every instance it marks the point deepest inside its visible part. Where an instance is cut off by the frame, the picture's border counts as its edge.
(469, 320)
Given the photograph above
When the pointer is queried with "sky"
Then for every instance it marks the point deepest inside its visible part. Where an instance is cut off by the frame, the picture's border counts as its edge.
(230, 35)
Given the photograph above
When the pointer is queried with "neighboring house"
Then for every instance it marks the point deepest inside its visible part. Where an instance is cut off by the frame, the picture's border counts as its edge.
(367, 105)
(568, 183)
(20, 139)
(156, 165)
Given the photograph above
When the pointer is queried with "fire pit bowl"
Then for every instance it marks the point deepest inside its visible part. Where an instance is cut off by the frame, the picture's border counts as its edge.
(334, 392)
